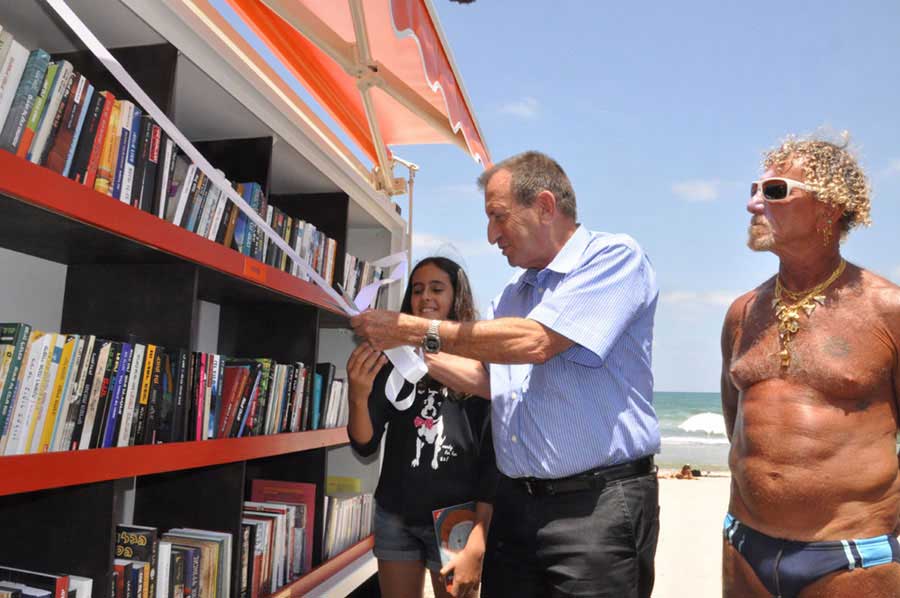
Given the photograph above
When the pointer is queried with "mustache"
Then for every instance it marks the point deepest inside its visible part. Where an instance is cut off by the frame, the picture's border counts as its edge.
(759, 219)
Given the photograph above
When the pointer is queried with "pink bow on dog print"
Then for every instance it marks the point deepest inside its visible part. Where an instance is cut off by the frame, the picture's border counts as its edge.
(423, 421)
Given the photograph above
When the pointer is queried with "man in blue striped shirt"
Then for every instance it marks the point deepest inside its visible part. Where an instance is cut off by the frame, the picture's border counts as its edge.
(566, 359)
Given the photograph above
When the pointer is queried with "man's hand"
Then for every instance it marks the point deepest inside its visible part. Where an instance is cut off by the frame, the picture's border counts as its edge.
(466, 570)
(387, 329)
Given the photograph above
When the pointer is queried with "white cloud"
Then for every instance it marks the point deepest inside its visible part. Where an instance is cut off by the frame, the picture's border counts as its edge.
(699, 298)
(697, 190)
(524, 108)
(425, 244)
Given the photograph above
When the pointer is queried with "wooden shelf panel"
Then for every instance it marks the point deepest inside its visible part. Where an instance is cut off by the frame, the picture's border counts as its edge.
(26, 473)
(326, 570)
(47, 215)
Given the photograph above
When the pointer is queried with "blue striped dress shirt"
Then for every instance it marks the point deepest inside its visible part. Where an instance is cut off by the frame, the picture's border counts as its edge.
(591, 405)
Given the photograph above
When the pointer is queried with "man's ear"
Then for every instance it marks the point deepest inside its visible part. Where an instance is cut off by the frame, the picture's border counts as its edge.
(545, 202)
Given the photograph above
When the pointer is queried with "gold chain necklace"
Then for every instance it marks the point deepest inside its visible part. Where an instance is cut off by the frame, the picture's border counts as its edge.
(788, 315)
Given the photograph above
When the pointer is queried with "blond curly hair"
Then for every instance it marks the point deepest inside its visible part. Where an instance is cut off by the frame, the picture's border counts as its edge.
(833, 173)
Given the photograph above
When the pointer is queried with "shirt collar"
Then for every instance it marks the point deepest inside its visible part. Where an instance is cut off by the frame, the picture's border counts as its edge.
(571, 252)
(566, 259)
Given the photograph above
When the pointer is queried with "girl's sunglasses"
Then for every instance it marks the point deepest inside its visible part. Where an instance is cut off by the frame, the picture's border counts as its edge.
(776, 188)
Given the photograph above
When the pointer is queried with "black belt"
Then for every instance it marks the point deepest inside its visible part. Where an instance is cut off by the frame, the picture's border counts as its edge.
(594, 479)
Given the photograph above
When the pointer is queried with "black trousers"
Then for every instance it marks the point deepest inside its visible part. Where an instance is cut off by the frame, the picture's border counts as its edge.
(587, 543)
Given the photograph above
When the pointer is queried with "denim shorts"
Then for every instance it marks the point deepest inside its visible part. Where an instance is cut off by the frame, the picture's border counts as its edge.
(396, 540)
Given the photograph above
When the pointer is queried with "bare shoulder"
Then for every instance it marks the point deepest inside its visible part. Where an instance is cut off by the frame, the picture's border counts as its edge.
(883, 296)
(738, 308)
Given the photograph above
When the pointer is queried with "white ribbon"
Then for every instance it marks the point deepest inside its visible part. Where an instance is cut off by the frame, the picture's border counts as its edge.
(404, 358)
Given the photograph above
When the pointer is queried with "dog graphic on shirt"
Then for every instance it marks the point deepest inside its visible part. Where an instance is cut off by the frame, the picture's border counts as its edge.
(429, 430)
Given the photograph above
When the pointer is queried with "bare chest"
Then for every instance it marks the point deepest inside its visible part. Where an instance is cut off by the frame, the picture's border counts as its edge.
(838, 351)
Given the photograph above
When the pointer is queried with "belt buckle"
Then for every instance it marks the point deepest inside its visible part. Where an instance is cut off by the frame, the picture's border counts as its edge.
(529, 487)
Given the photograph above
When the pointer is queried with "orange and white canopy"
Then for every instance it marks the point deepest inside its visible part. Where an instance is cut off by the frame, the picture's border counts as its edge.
(381, 68)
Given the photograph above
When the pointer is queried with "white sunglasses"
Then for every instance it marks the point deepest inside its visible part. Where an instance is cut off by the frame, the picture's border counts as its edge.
(776, 188)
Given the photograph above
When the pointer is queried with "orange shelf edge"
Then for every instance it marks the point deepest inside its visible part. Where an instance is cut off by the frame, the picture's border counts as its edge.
(45, 189)
(325, 571)
(27, 473)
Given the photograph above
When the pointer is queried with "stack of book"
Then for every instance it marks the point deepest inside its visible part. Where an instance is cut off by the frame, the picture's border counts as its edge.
(349, 514)
(282, 517)
(359, 273)
(22, 583)
(53, 116)
(69, 391)
(181, 563)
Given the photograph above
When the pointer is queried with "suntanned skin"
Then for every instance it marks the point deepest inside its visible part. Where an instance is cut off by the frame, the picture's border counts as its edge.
(813, 447)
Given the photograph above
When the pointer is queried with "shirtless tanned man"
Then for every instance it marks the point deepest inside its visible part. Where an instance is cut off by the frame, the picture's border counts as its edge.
(810, 383)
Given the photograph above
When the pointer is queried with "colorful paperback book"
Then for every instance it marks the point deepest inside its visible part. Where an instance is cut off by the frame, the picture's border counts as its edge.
(452, 526)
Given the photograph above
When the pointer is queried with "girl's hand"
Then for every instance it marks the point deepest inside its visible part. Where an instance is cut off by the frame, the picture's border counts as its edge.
(466, 570)
(362, 367)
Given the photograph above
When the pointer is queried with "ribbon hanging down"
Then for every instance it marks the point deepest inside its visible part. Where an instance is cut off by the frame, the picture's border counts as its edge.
(404, 358)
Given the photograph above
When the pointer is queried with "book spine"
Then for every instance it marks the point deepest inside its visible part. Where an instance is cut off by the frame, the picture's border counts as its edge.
(99, 385)
(161, 186)
(37, 111)
(179, 422)
(86, 102)
(140, 426)
(10, 386)
(85, 141)
(56, 102)
(29, 87)
(149, 161)
(130, 394)
(103, 171)
(153, 402)
(58, 155)
(85, 393)
(131, 155)
(115, 396)
(123, 144)
(11, 69)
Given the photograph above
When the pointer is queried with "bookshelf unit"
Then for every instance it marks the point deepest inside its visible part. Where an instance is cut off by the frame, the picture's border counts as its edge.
(129, 275)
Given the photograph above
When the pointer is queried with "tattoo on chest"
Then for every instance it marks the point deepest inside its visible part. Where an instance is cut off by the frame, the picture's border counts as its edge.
(837, 347)
(863, 405)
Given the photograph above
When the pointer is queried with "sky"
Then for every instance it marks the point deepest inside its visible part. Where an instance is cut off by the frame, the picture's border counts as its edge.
(660, 116)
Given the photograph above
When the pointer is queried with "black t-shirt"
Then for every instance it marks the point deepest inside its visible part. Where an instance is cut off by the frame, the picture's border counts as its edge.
(438, 451)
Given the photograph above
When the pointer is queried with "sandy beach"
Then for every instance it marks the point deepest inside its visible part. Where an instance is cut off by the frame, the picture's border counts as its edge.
(689, 554)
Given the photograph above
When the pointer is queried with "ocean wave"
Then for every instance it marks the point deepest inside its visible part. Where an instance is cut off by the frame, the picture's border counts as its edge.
(694, 440)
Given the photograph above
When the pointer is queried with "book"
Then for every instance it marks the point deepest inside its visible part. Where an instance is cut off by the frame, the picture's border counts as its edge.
(72, 112)
(109, 145)
(139, 543)
(15, 336)
(130, 155)
(123, 146)
(38, 108)
(117, 390)
(90, 132)
(98, 380)
(27, 91)
(82, 112)
(57, 585)
(292, 493)
(12, 66)
(52, 116)
(452, 526)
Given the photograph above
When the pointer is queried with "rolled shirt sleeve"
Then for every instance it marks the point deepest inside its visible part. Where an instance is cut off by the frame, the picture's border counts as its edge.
(597, 301)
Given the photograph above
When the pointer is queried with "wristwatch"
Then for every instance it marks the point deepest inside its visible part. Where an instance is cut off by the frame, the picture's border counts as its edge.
(432, 341)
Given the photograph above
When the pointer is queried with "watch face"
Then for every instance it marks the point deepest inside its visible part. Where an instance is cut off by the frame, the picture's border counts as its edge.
(432, 345)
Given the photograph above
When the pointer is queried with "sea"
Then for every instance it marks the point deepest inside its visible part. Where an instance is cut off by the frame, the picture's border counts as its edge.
(707, 451)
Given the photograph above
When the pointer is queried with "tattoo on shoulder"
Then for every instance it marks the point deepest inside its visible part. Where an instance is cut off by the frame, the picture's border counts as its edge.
(863, 405)
(837, 346)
